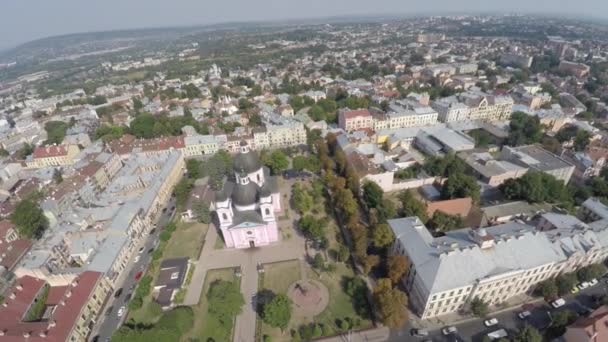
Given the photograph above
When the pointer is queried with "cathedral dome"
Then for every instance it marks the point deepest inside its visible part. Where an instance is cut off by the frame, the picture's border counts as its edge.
(247, 162)
(245, 194)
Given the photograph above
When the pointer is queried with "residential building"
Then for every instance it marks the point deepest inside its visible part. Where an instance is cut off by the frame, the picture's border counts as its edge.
(352, 120)
(474, 106)
(490, 170)
(537, 158)
(576, 69)
(511, 59)
(593, 328)
(198, 145)
(55, 155)
(70, 309)
(12, 248)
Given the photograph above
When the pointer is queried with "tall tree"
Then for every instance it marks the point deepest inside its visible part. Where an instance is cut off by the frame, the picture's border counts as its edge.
(391, 303)
(277, 313)
(29, 219)
(397, 266)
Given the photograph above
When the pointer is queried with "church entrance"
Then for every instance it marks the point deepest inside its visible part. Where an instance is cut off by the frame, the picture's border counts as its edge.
(251, 243)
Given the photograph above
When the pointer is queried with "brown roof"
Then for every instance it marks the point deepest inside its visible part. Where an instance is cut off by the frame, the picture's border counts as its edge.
(356, 113)
(457, 206)
(12, 252)
(68, 301)
(595, 327)
(50, 151)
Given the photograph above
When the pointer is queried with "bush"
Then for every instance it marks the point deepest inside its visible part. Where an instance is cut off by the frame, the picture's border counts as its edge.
(479, 308)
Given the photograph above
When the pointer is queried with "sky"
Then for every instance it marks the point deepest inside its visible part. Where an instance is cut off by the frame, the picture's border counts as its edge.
(25, 20)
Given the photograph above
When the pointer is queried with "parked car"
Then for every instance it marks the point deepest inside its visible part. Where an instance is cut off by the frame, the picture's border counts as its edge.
(128, 296)
(152, 231)
(141, 249)
(574, 290)
(490, 322)
(109, 311)
(558, 303)
(136, 260)
(121, 311)
(118, 292)
(449, 330)
(138, 275)
(419, 332)
(498, 334)
(593, 282)
(524, 314)
(583, 285)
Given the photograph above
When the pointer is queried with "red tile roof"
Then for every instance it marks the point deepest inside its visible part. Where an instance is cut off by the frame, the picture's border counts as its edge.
(5, 226)
(595, 327)
(50, 151)
(356, 113)
(457, 206)
(68, 300)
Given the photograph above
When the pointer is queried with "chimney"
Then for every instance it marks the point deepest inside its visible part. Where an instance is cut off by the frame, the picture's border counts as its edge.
(19, 287)
(52, 324)
(12, 295)
(42, 334)
(68, 294)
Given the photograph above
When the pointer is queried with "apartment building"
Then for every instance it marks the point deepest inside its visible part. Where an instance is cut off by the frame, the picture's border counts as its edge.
(474, 106)
(70, 308)
(490, 170)
(576, 69)
(493, 264)
(56, 155)
(198, 145)
(102, 230)
(352, 120)
(536, 158)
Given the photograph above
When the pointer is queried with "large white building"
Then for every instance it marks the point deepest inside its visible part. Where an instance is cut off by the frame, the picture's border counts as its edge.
(494, 263)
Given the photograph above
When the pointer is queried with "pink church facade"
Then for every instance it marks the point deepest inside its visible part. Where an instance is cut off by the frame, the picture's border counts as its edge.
(246, 208)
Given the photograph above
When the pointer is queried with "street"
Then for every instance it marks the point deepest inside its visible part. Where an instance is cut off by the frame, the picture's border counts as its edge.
(109, 320)
(474, 330)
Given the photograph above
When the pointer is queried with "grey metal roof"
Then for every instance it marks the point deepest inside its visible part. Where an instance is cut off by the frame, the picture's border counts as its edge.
(456, 260)
(245, 194)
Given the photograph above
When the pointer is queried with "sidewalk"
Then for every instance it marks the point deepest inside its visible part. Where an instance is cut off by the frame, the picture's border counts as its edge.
(372, 335)
(514, 303)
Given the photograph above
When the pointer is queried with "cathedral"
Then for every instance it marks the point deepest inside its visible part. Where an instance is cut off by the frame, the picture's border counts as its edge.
(246, 208)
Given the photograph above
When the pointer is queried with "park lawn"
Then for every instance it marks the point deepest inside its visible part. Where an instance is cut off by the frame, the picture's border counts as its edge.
(279, 275)
(206, 327)
(340, 304)
(186, 241)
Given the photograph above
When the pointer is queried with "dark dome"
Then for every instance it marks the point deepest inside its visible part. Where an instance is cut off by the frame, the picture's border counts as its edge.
(245, 194)
(247, 162)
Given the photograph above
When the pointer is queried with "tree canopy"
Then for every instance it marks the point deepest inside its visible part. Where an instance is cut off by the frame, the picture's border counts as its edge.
(29, 219)
(536, 187)
(524, 129)
(277, 312)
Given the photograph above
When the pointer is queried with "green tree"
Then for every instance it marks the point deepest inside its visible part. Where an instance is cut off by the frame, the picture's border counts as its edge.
(29, 219)
(277, 161)
(4, 152)
(57, 176)
(528, 334)
(547, 288)
(382, 235)
(55, 131)
(591, 272)
(182, 191)
(202, 212)
(478, 307)
(318, 261)
(277, 312)
(461, 186)
(301, 198)
(565, 282)
(412, 206)
(524, 129)
(143, 126)
(443, 222)
(225, 300)
(194, 168)
(312, 228)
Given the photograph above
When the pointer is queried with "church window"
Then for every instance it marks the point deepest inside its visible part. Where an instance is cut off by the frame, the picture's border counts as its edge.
(267, 211)
(259, 179)
(249, 232)
(224, 216)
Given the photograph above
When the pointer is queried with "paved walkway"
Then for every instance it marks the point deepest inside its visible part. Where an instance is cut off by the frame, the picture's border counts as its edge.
(247, 259)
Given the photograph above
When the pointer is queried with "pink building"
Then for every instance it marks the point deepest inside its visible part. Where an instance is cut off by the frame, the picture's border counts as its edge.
(246, 208)
(355, 119)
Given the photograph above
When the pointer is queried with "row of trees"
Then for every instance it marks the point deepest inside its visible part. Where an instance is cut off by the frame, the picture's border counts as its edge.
(563, 283)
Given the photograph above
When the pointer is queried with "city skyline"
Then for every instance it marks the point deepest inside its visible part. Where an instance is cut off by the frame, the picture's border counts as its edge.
(21, 22)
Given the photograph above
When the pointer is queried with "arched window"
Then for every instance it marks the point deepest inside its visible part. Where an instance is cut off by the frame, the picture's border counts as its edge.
(259, 178)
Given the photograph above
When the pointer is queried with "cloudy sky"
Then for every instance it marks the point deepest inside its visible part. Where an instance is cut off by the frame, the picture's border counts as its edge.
(25, 20)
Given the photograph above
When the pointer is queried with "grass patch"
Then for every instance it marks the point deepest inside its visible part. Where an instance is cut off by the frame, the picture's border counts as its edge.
(37, 309)
(279, 275)
(186, 241)
(206, 326)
